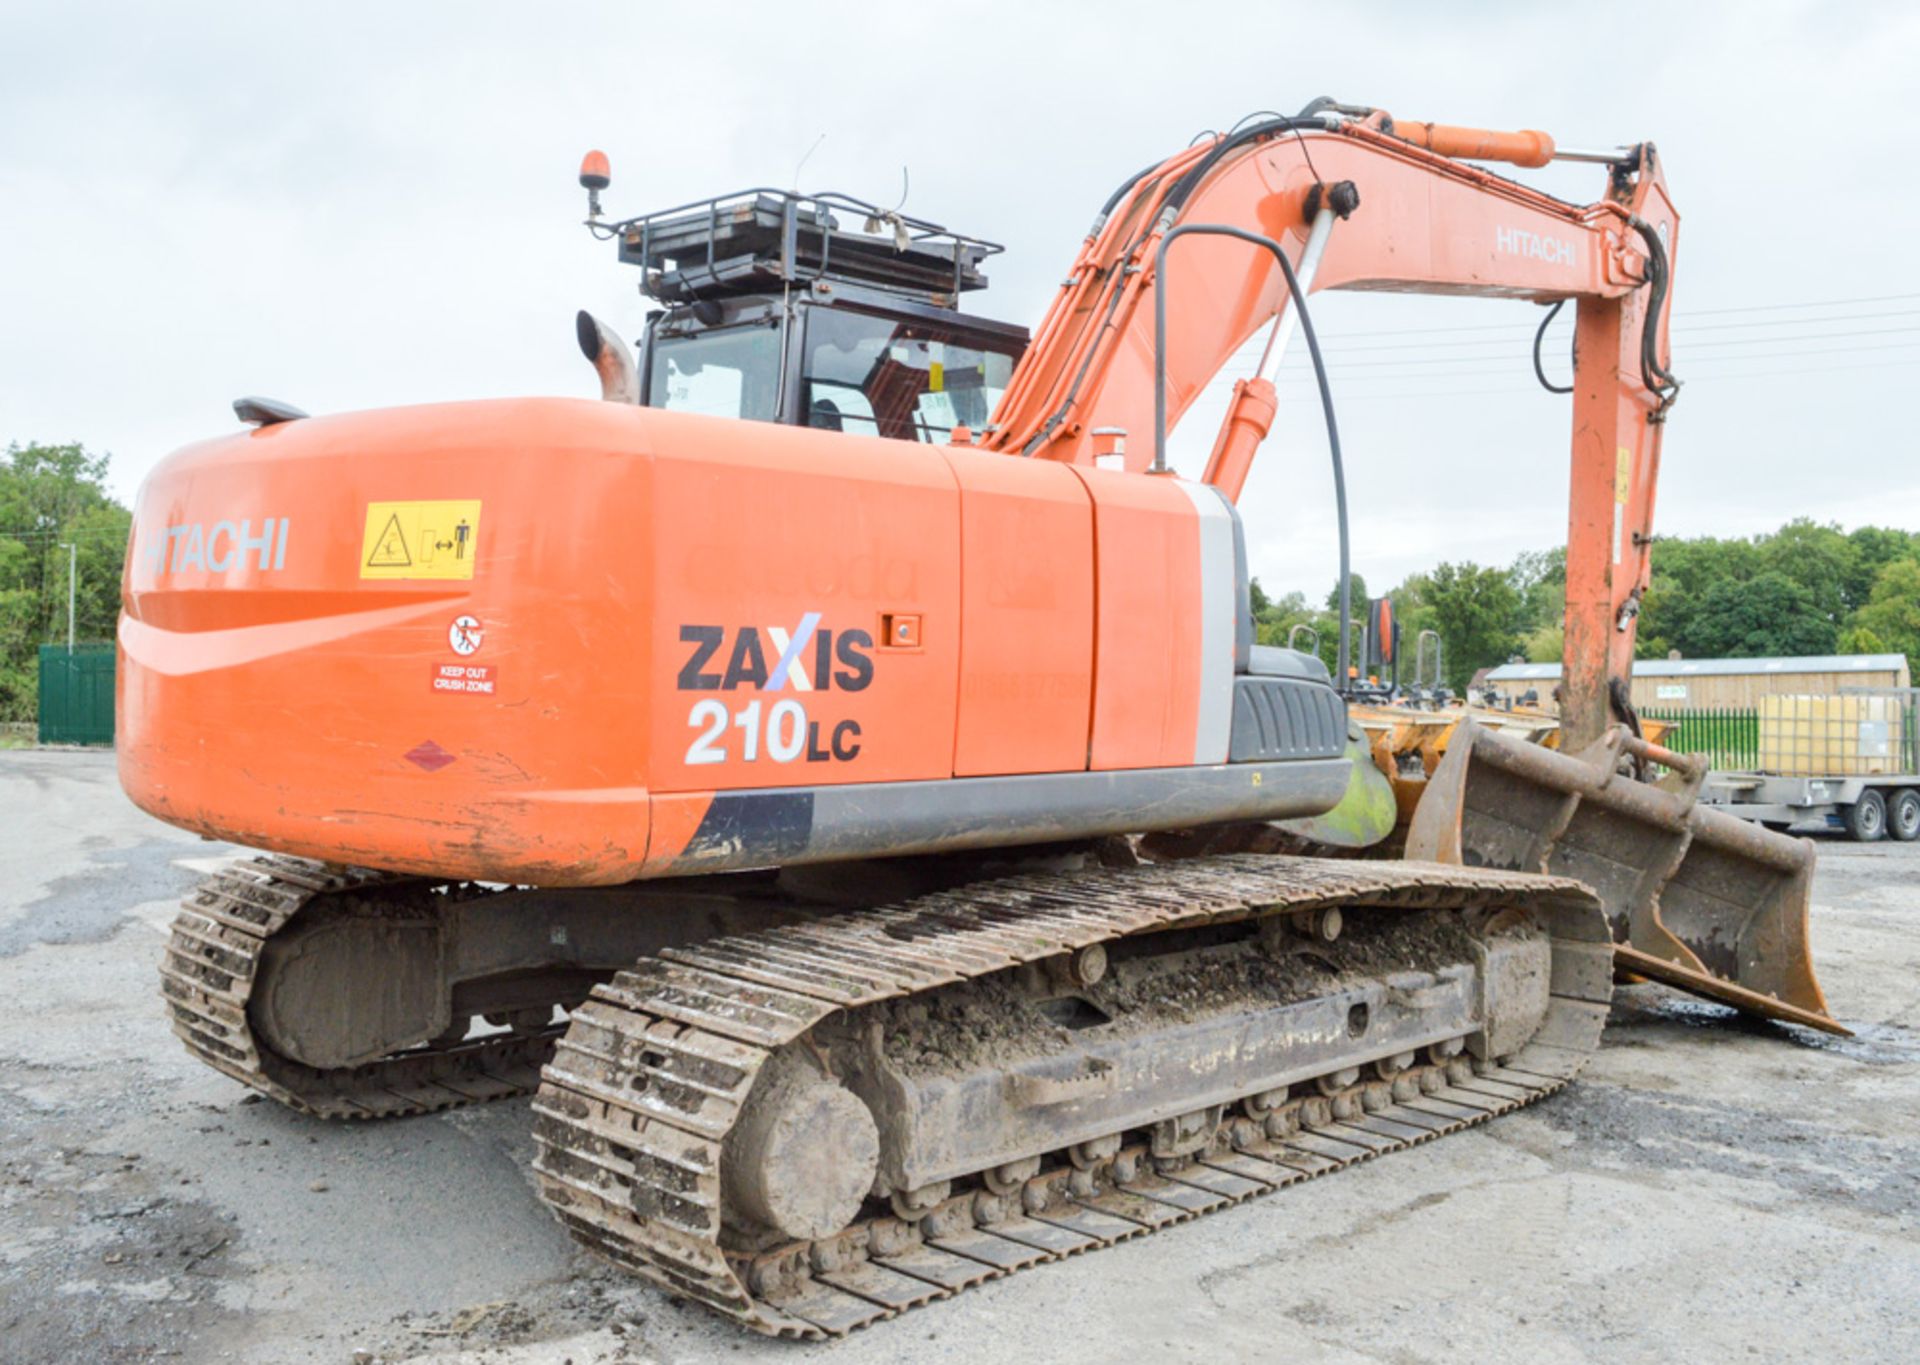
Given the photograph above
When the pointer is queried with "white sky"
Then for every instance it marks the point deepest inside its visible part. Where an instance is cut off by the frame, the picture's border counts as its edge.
(359, 205)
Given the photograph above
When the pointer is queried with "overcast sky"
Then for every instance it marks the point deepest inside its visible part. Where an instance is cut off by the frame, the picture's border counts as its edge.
(353, 206)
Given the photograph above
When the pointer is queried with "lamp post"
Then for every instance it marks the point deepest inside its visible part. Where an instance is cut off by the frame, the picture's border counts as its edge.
(72, 548)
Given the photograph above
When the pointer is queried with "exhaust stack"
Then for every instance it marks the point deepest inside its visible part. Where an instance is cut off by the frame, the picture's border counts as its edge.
(603, 348)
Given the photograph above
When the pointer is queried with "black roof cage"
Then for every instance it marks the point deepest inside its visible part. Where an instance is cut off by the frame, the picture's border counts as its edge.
(753, 240)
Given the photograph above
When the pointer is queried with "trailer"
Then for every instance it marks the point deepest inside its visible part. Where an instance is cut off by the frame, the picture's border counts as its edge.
(1866, 808)
(1848, 761)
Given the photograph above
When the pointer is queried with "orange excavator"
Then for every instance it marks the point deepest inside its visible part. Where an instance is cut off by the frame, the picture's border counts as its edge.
(834, 768)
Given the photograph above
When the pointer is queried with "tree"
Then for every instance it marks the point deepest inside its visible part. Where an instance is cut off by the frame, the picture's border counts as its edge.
(1835, 570)
(1891, 616)
(1806, 588)
(1359, 596)
(50, 495)
(1274, 619)
(1683, 572)
(1473, 609)
(19, 675)
(1769, 614)
(1818, 558)
(1875, 547)
(1540, 579)
(1545, 644)
(1860, 640)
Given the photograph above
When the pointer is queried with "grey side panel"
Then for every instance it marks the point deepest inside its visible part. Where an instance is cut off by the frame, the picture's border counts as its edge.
(1286, 718)
(877, 819)
(1242, 594)
(1219, 607)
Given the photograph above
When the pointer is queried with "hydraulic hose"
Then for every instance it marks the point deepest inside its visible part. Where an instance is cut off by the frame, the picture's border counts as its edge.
(1299, 297)
(1339, 464)
(1539, 371)
(1653, 374)
(1659, 380)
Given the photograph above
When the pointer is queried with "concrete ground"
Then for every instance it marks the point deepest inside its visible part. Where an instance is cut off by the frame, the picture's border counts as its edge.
(1711, 1189)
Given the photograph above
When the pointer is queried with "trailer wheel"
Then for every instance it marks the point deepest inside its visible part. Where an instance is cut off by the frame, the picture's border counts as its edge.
(1867, 818)
(1903, 815)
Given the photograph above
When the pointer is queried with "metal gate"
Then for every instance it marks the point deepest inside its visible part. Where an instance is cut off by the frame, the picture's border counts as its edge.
(1728, 736)
(76, 694)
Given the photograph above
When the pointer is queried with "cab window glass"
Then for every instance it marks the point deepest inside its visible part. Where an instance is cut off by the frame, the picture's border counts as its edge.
(731, 372)
(906, 380)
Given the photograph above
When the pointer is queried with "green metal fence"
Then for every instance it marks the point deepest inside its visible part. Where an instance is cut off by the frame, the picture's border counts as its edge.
(76, 694)
(1730, 737)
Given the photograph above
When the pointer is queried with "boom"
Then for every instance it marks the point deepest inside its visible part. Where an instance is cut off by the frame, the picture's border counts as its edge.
(1360, 202)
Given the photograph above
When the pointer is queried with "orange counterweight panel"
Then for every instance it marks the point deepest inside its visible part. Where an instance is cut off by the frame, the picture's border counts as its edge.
(778, 554)
(1026, 616)
(1146, 683)
(295, 672)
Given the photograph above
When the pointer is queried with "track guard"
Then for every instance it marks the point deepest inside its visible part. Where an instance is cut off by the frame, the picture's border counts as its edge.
(1696, 898)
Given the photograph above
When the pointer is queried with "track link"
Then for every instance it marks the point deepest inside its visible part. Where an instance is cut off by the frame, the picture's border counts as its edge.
(207, 978)
(635, 1107)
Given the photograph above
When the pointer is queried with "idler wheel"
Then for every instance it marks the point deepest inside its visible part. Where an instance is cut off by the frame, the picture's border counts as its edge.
(803, 1157)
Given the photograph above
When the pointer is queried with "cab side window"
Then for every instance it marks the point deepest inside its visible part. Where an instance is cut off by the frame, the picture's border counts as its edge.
(901, 379)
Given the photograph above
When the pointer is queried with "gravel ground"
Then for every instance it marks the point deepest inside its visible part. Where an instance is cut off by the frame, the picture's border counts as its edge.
(1713, 1188)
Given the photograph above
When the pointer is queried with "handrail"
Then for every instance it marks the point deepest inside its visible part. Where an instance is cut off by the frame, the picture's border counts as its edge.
(1420, 660)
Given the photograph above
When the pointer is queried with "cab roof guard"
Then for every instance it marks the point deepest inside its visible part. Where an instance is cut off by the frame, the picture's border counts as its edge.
(755, 239)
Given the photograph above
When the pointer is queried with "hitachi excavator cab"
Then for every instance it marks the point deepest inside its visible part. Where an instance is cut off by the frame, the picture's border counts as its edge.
(817, 310)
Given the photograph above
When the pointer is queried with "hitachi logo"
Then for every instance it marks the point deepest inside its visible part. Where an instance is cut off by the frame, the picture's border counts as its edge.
(1514, 242)
(226, 545)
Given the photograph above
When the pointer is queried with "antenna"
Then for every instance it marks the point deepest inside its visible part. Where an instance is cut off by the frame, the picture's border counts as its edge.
(878, 222)
(804, 159)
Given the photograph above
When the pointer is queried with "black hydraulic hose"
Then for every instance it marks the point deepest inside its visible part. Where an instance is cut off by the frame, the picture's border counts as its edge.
(1299, 296)
(1658, 379)
(1126, 188)
(1245, 119)
(1539, 371)
(1185, 185)
(1339, 465)
(1653, 374)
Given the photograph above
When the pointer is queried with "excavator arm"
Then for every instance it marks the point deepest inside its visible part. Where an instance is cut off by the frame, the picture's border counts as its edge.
(1181, 269)
(1358, 201)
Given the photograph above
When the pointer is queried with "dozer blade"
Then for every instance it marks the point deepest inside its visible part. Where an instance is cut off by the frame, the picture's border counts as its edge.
(1697, 898)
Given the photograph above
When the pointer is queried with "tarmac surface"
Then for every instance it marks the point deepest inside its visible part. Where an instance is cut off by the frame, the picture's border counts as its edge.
(1711, 1189)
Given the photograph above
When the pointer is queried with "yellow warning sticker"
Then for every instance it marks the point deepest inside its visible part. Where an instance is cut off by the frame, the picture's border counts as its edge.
(420, 539)
(1622, 473)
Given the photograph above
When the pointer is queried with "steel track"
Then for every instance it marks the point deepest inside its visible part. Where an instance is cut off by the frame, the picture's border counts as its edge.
(207, 978)
(638, 1101)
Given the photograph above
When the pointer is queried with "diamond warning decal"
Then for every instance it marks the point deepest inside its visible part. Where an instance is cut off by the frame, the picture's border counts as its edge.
(420, 539)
